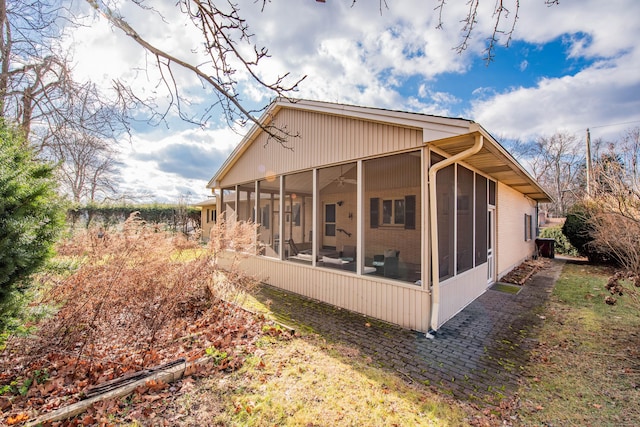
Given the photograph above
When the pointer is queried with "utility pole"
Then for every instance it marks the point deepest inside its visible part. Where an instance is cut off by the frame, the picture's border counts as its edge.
(589, 169)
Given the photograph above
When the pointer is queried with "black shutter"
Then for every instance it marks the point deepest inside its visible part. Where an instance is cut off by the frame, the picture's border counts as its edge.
(410, 212)
(374, 218)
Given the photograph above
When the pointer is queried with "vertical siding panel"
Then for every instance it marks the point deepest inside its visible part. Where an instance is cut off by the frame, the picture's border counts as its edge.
(393, 312)
(423, 309)
(353, 291)
(389, 305)
(395, 137)
(373, 297)
(375, 309)
(416, 318)
(396, 304)
(373, 303)
(364, 295)
(352, 298)
(383, 302)
(350, 293)
(382, 298)
(402, 307)
(406, 306)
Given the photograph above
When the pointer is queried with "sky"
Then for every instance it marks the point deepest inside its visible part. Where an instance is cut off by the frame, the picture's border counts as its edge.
(569, 67)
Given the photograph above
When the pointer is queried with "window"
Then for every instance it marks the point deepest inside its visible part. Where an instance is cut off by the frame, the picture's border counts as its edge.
(298, 213)
(410, 212)
(398, 211)
(387, 211)
(228, 199)
(528, 227)
(211, 215)
(269, 221)
(330, 220)
(394, 212)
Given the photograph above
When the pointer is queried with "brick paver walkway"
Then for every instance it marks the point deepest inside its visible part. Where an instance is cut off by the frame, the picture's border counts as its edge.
(477, 355)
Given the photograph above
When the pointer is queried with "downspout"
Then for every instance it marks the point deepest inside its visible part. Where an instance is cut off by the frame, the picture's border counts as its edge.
(433, 225)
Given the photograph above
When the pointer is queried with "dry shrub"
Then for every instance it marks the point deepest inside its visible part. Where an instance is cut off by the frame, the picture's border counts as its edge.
(140, 297)
(615, 229)
(129, 287)
(230, 242)
(138, 290)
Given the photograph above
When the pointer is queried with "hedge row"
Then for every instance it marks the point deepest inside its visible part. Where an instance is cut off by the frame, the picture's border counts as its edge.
(176, 217)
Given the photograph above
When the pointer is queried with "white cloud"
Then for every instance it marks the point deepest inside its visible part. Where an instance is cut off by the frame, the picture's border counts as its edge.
(606, 93)
(166, 163)
(358, 55)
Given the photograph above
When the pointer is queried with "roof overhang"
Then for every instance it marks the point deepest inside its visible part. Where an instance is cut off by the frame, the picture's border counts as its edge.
(493, 160)
(208, 202)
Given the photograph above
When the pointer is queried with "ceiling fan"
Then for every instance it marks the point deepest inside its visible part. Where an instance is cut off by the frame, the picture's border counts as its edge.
(342, 180)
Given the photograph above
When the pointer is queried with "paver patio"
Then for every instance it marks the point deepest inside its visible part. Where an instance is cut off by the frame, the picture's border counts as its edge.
(477, 356)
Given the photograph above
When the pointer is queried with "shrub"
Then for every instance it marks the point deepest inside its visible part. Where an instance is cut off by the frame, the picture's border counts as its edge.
(562, 246)
(136, 289)
(31, 217)
(579, 230)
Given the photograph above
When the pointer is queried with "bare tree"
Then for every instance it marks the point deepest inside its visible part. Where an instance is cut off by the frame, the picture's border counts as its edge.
(614, 223)
(557, 164)
(225, 37)
(612, 212)
(37, 90)
(88, 166)
(630, 151)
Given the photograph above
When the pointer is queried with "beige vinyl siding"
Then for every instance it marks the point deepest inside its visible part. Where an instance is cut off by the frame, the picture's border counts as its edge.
(404, 305)
(512, 249)
(323, 140)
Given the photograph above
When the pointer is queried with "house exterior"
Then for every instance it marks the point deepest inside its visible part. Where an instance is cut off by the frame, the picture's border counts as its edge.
(208, 215)
(400, 216)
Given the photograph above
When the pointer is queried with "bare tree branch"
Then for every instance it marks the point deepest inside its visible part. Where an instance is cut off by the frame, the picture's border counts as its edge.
(501, 13)
(221, 31)
(37, 90)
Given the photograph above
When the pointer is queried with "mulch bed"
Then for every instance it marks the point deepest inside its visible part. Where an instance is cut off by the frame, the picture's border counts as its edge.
(522, 273)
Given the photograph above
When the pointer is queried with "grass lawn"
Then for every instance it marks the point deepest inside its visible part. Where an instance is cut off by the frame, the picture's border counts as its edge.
(585, 370)
(306, 381)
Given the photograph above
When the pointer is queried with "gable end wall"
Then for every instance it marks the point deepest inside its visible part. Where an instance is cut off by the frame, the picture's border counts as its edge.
(323, 140)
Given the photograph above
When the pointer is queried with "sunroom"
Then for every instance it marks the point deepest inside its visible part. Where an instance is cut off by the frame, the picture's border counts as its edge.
(342, 213)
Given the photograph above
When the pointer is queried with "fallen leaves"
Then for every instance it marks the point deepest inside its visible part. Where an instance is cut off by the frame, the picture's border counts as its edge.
(525, 270)
(128, 306)
(17, 419)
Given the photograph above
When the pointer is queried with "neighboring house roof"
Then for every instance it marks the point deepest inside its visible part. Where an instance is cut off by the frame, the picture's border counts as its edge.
(211, 201)
(456, 135)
